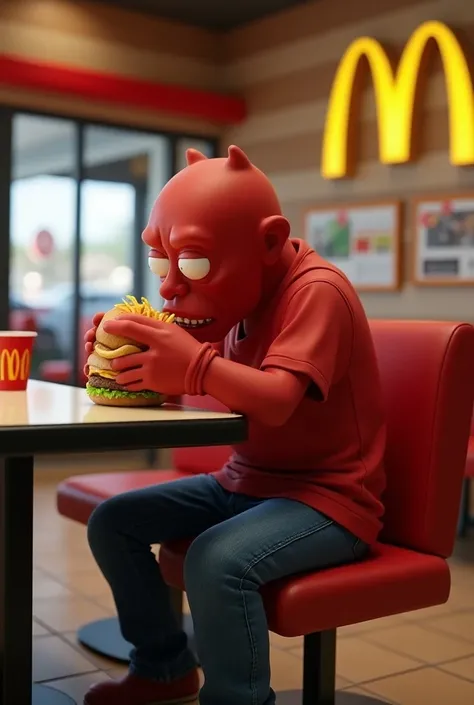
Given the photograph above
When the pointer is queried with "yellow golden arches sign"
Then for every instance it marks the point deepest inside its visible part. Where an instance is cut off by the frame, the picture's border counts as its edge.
(395, 95)
(14, 366)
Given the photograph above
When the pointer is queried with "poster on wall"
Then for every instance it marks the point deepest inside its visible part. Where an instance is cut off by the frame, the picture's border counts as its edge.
(443, 240)
(361, 239)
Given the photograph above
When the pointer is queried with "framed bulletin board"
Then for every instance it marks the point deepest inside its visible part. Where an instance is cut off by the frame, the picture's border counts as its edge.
(443, 240)
(362, 239)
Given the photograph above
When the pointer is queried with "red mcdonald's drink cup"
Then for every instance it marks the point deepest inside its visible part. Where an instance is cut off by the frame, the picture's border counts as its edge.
(16, 348)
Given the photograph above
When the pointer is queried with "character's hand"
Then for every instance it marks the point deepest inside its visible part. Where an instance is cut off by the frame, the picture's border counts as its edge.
(162, 367)
(89, 337)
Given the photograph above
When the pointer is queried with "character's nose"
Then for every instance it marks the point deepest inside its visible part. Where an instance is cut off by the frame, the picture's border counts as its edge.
(174, 286)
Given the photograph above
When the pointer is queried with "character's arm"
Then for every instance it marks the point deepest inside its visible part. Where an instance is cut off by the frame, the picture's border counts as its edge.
(219, 347)
(267, 396)
(314, 346)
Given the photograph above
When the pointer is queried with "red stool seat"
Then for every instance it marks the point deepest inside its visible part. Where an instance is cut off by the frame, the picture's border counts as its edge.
(78, 496)
(393, 580)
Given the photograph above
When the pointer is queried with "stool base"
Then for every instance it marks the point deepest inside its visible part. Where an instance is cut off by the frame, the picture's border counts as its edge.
(295, 697)
(104, 638)
(40, 695)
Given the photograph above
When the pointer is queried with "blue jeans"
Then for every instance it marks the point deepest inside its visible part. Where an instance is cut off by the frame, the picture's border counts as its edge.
(242, 543)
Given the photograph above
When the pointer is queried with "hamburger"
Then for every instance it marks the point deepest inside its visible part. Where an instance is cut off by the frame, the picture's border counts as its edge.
(101, 385)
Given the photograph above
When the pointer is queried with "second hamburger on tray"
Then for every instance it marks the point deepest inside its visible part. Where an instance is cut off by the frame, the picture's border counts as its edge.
(101, 385)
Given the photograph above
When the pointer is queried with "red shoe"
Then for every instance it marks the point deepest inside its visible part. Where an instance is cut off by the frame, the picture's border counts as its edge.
(133, 690)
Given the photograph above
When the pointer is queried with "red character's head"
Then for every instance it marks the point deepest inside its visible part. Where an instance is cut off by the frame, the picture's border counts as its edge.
(216, 235)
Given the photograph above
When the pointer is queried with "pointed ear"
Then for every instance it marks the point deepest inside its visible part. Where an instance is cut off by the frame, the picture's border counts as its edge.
(193, 156)
(274, 232)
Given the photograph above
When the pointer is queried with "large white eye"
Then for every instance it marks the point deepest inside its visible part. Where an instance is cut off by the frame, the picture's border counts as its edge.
(194, 268)
(159, 266)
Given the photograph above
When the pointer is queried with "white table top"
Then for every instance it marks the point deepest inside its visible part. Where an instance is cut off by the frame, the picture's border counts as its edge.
(47, 404)
(50, 418)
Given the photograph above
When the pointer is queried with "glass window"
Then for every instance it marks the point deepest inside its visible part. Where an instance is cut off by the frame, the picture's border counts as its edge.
(42, 232)
(124, 172)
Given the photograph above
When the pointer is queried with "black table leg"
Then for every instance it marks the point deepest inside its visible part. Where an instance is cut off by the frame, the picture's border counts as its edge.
(16, 587)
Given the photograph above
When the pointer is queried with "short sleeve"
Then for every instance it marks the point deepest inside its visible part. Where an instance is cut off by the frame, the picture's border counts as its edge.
(316, 336)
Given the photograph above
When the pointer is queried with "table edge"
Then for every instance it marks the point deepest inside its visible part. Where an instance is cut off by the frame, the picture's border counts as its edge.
(105, 437)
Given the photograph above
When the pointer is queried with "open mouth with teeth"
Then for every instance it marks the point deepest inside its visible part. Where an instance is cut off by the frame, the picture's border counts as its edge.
(193, 322)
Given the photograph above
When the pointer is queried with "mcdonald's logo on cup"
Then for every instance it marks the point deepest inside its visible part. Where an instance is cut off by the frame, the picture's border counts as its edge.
(396, 97)
(16, 348)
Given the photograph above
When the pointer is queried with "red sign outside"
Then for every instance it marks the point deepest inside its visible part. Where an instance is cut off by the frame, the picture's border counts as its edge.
(43, 244)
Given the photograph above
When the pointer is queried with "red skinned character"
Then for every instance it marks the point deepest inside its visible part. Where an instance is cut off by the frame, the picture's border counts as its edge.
(219, 244)
(262, 319)
(271, 330)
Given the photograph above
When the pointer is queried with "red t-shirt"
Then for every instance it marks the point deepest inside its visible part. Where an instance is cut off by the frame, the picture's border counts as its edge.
(329, 454)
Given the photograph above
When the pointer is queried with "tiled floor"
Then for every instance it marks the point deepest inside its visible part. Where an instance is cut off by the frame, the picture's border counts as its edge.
(420, 658)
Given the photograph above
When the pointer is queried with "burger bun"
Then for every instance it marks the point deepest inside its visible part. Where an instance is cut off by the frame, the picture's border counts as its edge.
(107, 339)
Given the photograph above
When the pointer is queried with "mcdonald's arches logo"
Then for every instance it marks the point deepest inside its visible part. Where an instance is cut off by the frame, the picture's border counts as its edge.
(396, 98)
(14, 366)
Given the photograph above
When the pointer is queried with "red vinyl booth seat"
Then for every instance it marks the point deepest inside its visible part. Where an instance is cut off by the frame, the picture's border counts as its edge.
(428, 387)
(337, 597)
(78, 496)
